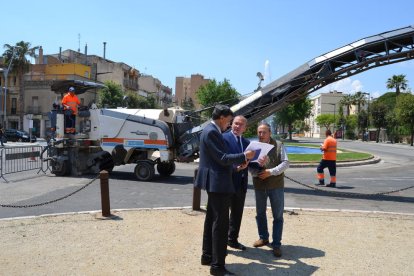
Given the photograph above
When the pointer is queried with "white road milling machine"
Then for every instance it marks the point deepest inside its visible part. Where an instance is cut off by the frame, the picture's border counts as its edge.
(148, 137)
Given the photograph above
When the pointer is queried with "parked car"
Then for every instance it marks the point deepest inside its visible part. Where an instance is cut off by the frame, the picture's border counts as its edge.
(15, 135)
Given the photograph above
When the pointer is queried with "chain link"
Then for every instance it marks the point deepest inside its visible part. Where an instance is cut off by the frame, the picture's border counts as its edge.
(313, 187)
(287, 177)
(51, 201)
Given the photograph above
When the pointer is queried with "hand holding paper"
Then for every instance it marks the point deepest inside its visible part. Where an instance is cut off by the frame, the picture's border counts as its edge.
(250, 154)
(261, 149)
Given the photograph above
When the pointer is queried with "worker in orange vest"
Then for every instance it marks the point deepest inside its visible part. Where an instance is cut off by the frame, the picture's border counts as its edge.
(70, 104)
(328, 160)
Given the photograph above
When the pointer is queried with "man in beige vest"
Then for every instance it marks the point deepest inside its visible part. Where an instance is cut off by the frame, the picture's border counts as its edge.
(268, 181)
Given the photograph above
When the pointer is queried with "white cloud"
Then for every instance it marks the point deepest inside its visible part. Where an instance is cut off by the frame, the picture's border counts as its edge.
(346, 86)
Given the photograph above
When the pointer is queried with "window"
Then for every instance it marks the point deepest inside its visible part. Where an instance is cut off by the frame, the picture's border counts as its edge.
(14, 106)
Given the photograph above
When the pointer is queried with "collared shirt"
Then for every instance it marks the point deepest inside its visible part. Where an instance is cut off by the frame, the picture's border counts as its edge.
(284, 164)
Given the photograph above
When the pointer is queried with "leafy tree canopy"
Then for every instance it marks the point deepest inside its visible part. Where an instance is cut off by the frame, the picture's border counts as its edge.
(213, 93)
(21, 50)
(299, 110)
(325, 120)
(111, 96)
(399, 82)
(388, 99)
(405, 111)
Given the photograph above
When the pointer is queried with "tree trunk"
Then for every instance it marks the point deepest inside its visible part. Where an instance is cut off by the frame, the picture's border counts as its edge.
(378, 132)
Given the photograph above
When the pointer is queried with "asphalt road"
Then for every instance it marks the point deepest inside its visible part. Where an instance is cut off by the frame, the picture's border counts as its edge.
(357, 187)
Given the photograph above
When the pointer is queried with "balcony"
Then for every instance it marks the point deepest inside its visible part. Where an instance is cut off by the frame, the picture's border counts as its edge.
(133, 85)
(35, 110)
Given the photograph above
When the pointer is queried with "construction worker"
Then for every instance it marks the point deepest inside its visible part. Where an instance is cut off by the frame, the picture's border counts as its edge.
(70, 104)
(328, 160)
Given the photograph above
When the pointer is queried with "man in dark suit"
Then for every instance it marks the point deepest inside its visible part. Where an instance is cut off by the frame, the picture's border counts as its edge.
(236, 144)
(214, 176)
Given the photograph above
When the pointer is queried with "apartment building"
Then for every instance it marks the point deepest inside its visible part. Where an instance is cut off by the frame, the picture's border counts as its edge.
(150, 86)
(186, 88)
(30, 108)
(323, 103)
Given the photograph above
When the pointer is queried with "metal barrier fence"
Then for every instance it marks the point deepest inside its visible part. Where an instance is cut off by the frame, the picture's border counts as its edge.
(20, 158)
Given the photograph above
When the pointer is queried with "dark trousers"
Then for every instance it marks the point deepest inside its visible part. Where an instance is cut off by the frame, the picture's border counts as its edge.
(331, 165)
(236, 214)
(216, 226)
(70, 121)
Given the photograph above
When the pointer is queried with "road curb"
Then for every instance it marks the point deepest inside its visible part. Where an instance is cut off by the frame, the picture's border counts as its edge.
(286, 210)
(373, 160)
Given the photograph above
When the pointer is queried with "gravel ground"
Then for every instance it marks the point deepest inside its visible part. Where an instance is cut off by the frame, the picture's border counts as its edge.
(168, 242)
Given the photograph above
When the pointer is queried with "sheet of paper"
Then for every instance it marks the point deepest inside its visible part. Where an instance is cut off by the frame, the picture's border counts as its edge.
(262, 149)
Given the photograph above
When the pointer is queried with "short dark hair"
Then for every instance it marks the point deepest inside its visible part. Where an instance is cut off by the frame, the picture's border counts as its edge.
(328, 132)
(221, 110)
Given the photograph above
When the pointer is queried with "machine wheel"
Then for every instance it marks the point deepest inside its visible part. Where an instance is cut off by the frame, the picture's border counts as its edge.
(144, 171)
(107, 163)
(20, 140)
(62, 170)
(166, 168)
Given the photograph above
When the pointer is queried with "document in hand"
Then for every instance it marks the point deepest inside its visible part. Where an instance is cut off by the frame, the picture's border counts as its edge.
(262, 149)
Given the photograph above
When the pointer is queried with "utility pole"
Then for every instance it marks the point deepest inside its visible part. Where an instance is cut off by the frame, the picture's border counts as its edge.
(334, 105)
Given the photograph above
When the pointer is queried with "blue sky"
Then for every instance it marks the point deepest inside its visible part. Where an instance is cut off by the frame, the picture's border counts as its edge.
(219, 39)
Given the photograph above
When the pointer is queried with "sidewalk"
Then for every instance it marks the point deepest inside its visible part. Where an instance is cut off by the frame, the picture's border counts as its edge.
(168, 242)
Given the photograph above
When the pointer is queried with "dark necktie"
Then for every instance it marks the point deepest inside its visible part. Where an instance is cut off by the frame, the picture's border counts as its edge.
(239, 146)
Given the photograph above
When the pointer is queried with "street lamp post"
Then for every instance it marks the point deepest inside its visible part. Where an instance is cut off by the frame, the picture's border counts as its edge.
(334, 105)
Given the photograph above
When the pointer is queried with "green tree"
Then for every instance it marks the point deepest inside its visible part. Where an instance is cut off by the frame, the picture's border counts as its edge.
(298, 110)
(389, 99)
(251, 131)
(378, 113)
(325, 120)
(212, 93)
(399, 82)
(392, 126)
(362, 121)
(347, 101)
(111, 96)
(20, 66)
(351, 123)
(359, 100)
(405, 112)
(133, 100)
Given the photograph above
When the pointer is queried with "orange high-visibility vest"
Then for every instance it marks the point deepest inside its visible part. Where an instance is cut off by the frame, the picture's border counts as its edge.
(329, 148)
(72, 102)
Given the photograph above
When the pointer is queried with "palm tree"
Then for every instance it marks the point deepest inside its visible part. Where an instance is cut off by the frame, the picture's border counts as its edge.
(347, 101)
(398, 82)
(359, 99)
(20, 66)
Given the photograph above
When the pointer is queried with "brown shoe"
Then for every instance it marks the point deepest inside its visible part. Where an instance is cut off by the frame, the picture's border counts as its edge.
(260, 243)
(277, 252)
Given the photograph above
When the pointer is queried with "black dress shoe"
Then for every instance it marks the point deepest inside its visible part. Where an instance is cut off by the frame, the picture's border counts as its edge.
(205, 260)
(236, 245)
(220, 271)
(332, 185)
